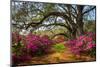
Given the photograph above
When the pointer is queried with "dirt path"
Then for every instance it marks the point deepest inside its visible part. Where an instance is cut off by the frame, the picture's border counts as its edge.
(57, 57)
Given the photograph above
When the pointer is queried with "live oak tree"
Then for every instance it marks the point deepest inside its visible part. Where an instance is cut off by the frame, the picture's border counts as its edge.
(36, 15)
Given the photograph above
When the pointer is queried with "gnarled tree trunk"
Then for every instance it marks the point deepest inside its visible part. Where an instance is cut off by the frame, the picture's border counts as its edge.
(79, 20)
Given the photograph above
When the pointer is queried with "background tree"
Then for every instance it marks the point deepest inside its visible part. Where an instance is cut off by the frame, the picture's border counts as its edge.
(36, 15)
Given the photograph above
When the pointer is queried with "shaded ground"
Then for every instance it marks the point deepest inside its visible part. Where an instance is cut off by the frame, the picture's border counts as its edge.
(57, 57)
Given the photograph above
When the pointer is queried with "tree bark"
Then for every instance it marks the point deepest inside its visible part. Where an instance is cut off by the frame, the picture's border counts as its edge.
(79, 20)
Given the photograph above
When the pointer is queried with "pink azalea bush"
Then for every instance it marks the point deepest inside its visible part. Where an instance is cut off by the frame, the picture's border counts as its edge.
(38, 45)
(17, 59)
(19, 51)
(34, 45)
(83, 44)
(28, 46)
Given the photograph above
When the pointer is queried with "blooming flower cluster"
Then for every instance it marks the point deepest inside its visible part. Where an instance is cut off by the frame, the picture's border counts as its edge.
(33, 45)
(38, 45)
(82, 44)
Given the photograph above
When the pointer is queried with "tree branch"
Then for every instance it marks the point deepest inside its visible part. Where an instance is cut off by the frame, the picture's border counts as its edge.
(89, 10)
(56, 24)
(46, 16)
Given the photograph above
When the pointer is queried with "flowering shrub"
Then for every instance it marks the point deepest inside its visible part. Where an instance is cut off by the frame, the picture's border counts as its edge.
(83, 44)
(38, 45)
(16, 38)
(28, 46)
(19, 51)
(20, 59)
(25, 47)
(20, 55)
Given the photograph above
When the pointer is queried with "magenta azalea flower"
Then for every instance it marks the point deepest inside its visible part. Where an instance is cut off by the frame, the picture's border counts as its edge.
(82, 43)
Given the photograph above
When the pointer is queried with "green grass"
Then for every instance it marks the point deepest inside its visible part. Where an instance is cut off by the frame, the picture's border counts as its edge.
(59, 47)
